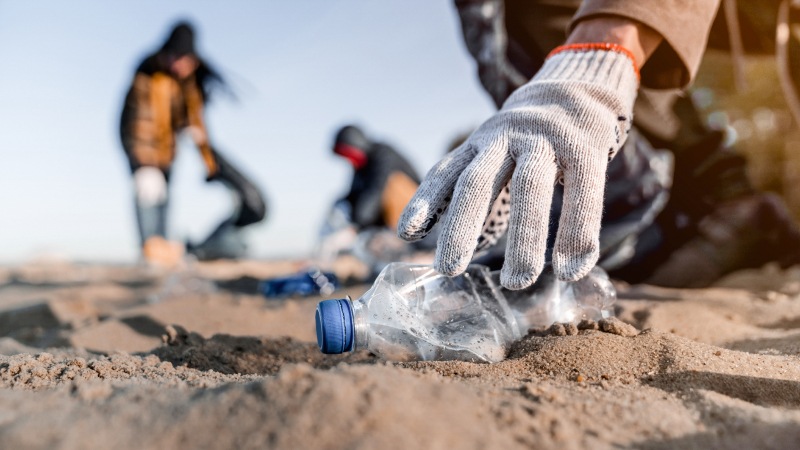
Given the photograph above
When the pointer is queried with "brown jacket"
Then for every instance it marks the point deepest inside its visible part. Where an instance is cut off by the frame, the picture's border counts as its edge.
(688, 27)
(157, 107)
(684, 24)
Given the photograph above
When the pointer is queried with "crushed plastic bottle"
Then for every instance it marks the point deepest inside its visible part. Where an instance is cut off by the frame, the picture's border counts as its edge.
(413, 312)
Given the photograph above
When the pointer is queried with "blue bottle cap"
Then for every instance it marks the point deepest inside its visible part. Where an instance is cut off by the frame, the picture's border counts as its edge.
(335, 326)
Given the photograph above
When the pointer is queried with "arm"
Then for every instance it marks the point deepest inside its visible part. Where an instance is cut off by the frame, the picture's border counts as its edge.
(197, 128)
(683, 25)
(638, 38)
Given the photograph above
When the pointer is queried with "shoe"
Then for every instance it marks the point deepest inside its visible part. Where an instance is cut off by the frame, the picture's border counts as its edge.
(162, 253)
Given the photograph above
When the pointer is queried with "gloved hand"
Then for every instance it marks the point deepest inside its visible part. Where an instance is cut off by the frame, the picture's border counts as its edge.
(150, 186)
(565, 124)
(211, 159)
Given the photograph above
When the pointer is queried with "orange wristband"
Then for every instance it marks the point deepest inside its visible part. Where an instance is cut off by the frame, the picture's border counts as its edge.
(605, 46)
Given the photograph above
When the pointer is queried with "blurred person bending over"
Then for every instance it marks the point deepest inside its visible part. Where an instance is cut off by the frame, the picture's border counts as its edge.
(383, 180)
(364, 222)
(542, 172)
(168, 94)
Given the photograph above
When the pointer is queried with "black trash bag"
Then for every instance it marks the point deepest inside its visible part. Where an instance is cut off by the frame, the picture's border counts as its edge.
(251, 207)
(227, 240)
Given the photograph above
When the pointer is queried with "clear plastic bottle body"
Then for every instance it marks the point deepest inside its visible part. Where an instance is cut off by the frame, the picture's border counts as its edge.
(551, 300)
(414, 313)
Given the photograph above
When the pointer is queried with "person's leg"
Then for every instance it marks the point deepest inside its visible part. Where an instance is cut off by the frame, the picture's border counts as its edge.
(716, 222)
(152, 221)
(745, 232)
(151, 201)
(151, 198)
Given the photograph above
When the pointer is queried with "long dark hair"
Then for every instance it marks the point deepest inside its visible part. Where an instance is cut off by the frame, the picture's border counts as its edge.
(181, 43)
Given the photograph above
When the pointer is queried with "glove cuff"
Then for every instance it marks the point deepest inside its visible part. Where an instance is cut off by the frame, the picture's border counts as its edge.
(597, 46)
(607, 64)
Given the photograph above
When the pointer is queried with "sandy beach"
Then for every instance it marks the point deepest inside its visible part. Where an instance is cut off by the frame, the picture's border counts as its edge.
(104, 356)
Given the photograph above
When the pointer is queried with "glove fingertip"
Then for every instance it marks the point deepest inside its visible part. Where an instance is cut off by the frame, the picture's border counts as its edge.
(409, 234)
(415, 223)
(515, 280)
(574, 268)
(450, 266)
(409, 230)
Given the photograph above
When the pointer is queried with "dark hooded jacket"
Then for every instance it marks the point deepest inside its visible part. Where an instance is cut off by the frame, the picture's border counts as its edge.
(383, 181)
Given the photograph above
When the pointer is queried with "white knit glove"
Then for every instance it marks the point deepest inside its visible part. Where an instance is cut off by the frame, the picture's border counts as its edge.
(565, 124)
(150, 186)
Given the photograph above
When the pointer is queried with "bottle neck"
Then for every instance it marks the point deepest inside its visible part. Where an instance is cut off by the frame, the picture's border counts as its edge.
(360, 325)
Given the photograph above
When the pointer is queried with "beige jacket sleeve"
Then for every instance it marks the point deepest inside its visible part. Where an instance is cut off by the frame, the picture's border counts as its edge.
(684, 24)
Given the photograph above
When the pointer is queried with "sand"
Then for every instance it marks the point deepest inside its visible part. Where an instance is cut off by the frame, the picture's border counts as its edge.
(98, 356)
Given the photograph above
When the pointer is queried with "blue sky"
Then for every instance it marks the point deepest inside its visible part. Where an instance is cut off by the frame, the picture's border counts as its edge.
(300, 68)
